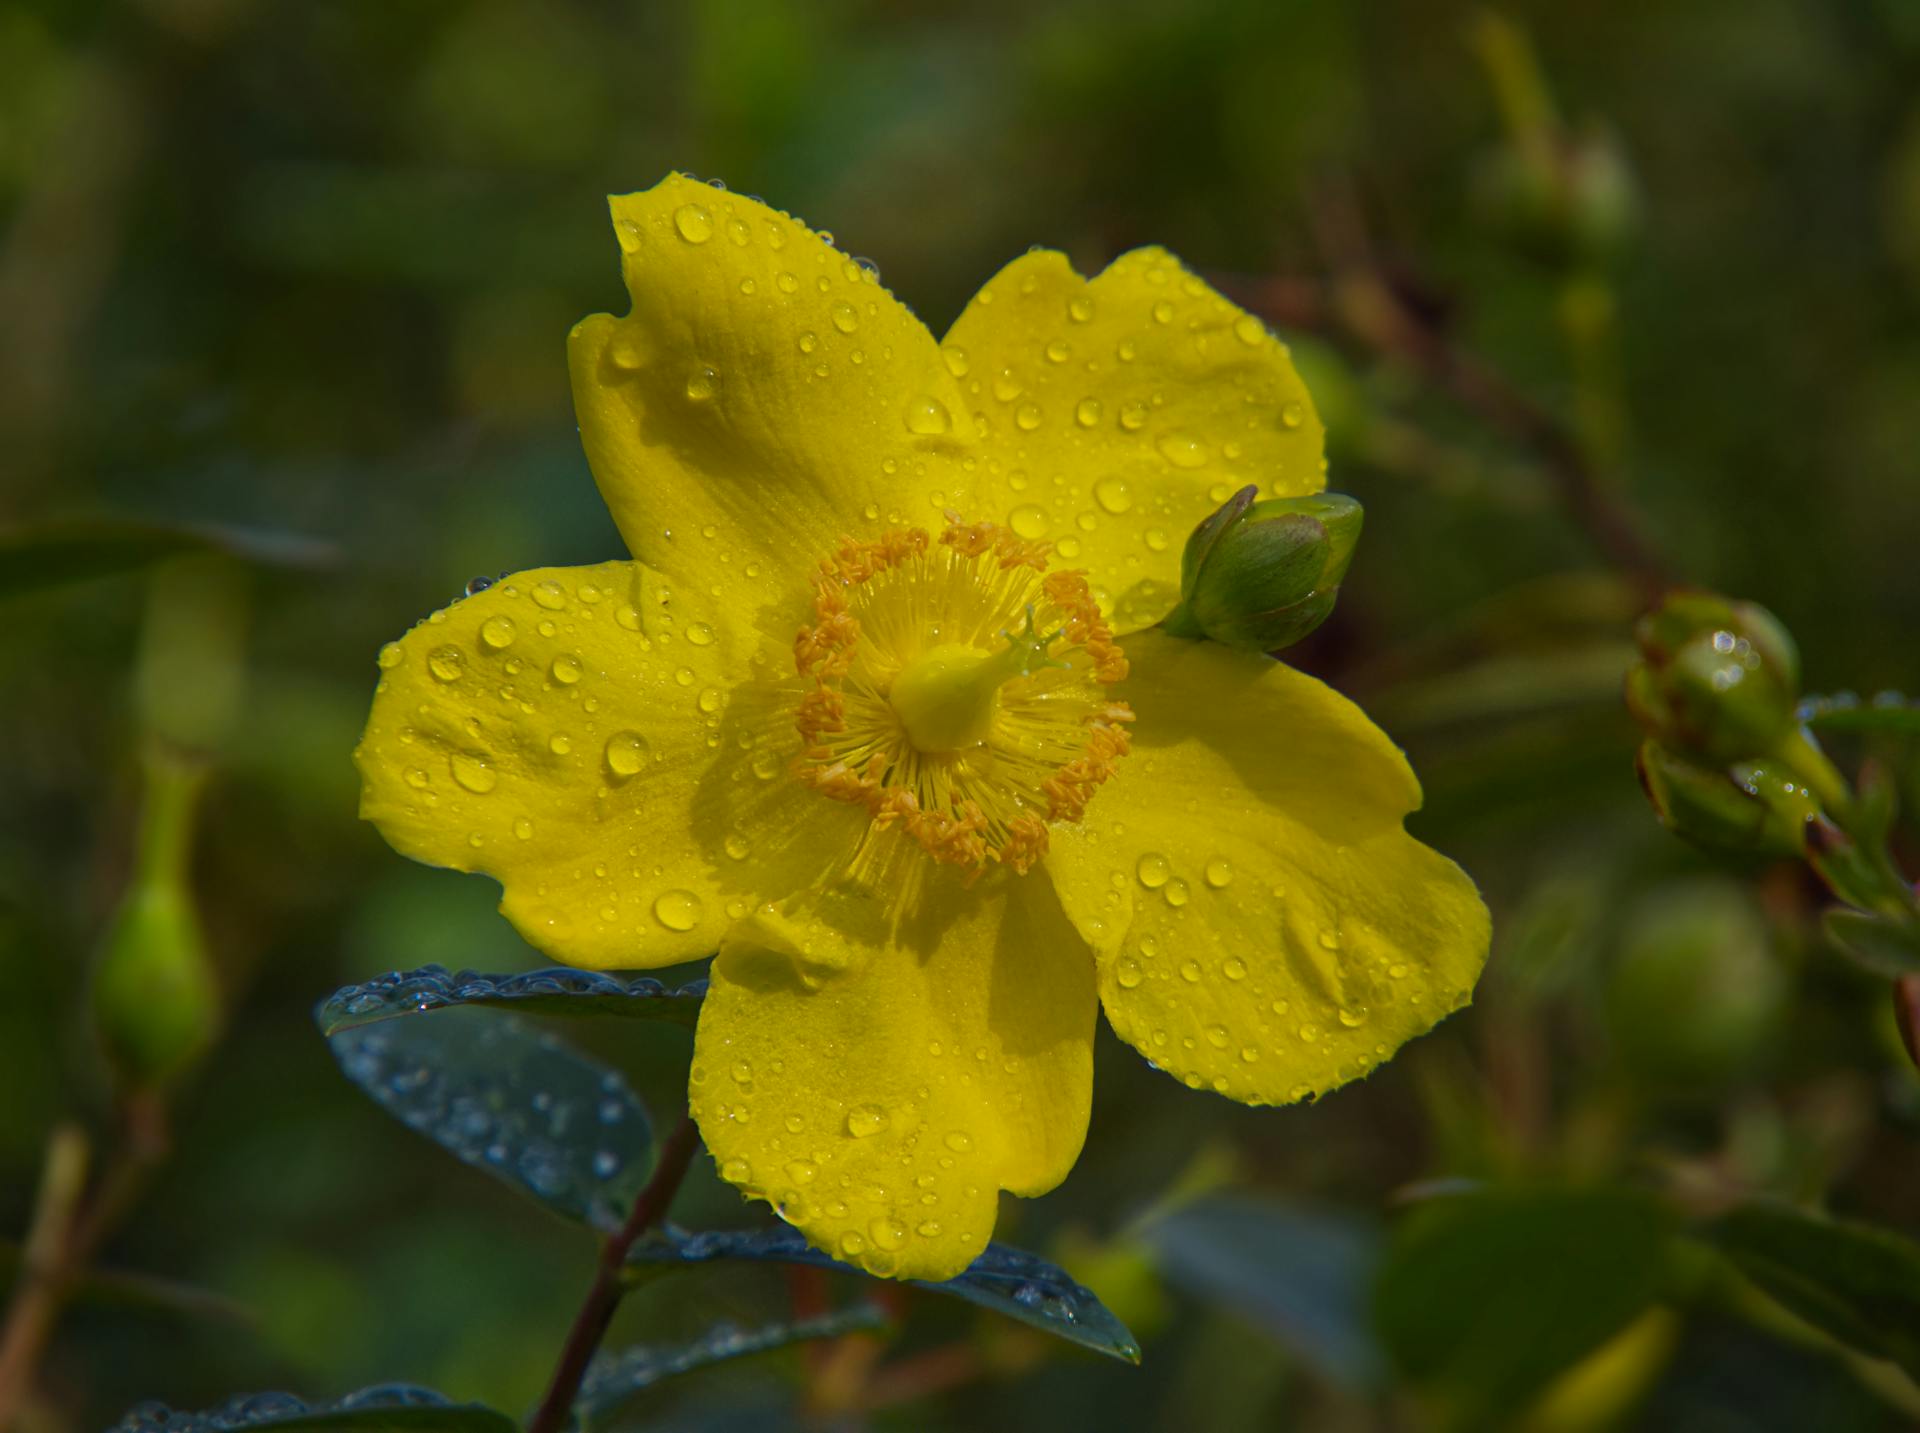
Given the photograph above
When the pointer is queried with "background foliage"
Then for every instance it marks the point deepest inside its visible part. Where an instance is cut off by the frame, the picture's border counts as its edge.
(308, 269)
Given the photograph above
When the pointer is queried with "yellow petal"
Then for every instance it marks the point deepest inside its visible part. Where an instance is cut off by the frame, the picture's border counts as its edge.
(879, 1079)
(1122, 411)
(765, 395)
(1264, 926)
(608, 748)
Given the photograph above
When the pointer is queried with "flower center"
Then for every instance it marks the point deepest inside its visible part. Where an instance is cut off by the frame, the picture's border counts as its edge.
(958, 691)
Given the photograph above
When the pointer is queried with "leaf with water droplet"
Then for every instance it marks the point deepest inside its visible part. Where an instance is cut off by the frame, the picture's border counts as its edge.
(1008, 1281)
(1884, 712)
(388, 1408)
(503, 1095)
(614, 1379)
(534, 992)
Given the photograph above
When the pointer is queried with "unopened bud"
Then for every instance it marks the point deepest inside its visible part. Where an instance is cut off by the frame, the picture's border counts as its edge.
(156, 1004)
(1718, 679)
(1750, 807)
(1260, 575)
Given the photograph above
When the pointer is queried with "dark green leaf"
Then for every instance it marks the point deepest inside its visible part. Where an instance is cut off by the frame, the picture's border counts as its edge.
(614, 1379)
(1858, 1283)
(536, 992)
(1008, 1281)
(1304, 1275)
(1888, 711)
(513, 1100)
(390, 1408)
(75, 549)
(1484, 1298)
(1876, 943)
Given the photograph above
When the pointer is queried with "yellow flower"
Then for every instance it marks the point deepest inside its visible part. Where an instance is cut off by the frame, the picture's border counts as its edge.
(878, 713)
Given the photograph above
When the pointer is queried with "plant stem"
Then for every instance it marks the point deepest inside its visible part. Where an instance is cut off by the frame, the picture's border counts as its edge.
(609, 1287)
(44, 1272)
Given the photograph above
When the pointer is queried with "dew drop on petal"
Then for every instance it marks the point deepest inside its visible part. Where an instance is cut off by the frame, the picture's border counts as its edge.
(497, 632)
(1153, 870)
(695, 223)
(1183, 450)
(866, 1120)
(928, 416)
(677, 910)
(626, 753)
(446, 664)
(1029, 522)
(1113, 495)
(473, 772)
(1219, 873)
(391, 656)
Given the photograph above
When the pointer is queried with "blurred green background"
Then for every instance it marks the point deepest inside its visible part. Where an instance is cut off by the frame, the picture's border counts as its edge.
(309, 268)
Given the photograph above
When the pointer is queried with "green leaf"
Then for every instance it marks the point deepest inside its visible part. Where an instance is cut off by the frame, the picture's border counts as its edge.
(1484, 1298)
(1885, 712)
(1877, 944)
(1303, 1275)
(75, 549)
(390, 1408)
(514, 1100)
(614, 1379)
(535, 992)
(1009, 1281)
(1855, 1282)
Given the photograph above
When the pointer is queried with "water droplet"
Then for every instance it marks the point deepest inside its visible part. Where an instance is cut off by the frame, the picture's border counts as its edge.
(1190, 971)
(701, 384)
(566, 670)
(1155, 539)
(1183, 450)
(418, 779)
(1113, 495)
(1163, 312)
(1153, 870)
(391, 656)
(851, 1243)
(709, 699)
(446, 663)
(1310, 1033)
(700, 634)
(1087, 412)
(1080, 309)
(785, 282)
(959, 1141)
(736, 1171)
(844, 318)
(678, 910)
(742, 1073)
(865, 1120)
(1292, 415)
(929, 1229)
(1355, 1018)
(809, 341)
(523, 829)
(1249, 330)
(802, 1171)
(559, 744)
(1006, 387)
(1176, 892)
(1027, 416)
(956, 360)
(1069, 548)
(737, 846)
(1059, 352)
(550, 595)
(888, 1233)
(1029, 522)
(694, 222)
(1217, 1036)
(1219, 873)
(626, 753)
(1329, 939)
(1127, 971)
(497, 632)
(928, 416)
(1234, 968)
(628, 234)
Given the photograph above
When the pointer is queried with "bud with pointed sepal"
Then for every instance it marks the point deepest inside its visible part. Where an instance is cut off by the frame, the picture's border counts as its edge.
(1750, 807)
(1718, 680)
(1262, 574)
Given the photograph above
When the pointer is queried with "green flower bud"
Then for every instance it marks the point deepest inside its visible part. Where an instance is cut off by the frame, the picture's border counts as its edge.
(1262, 575)
(1718, 679)
(1750, 808)
(156, 1004)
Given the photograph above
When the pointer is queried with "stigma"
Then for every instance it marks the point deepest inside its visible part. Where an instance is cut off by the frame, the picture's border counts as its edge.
(957, 689)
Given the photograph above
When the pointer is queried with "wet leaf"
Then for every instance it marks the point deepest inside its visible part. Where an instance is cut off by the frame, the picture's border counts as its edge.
(1303, 1275)
(1009, 1281)
(75, 549)
(1885, 712)
(615, 1378)
(1857, 1283)
(535, 992)
(514, 1100)
(1484, 1298)
(390, 1408)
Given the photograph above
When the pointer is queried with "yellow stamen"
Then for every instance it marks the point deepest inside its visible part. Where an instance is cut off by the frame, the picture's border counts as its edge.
(946, 697)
